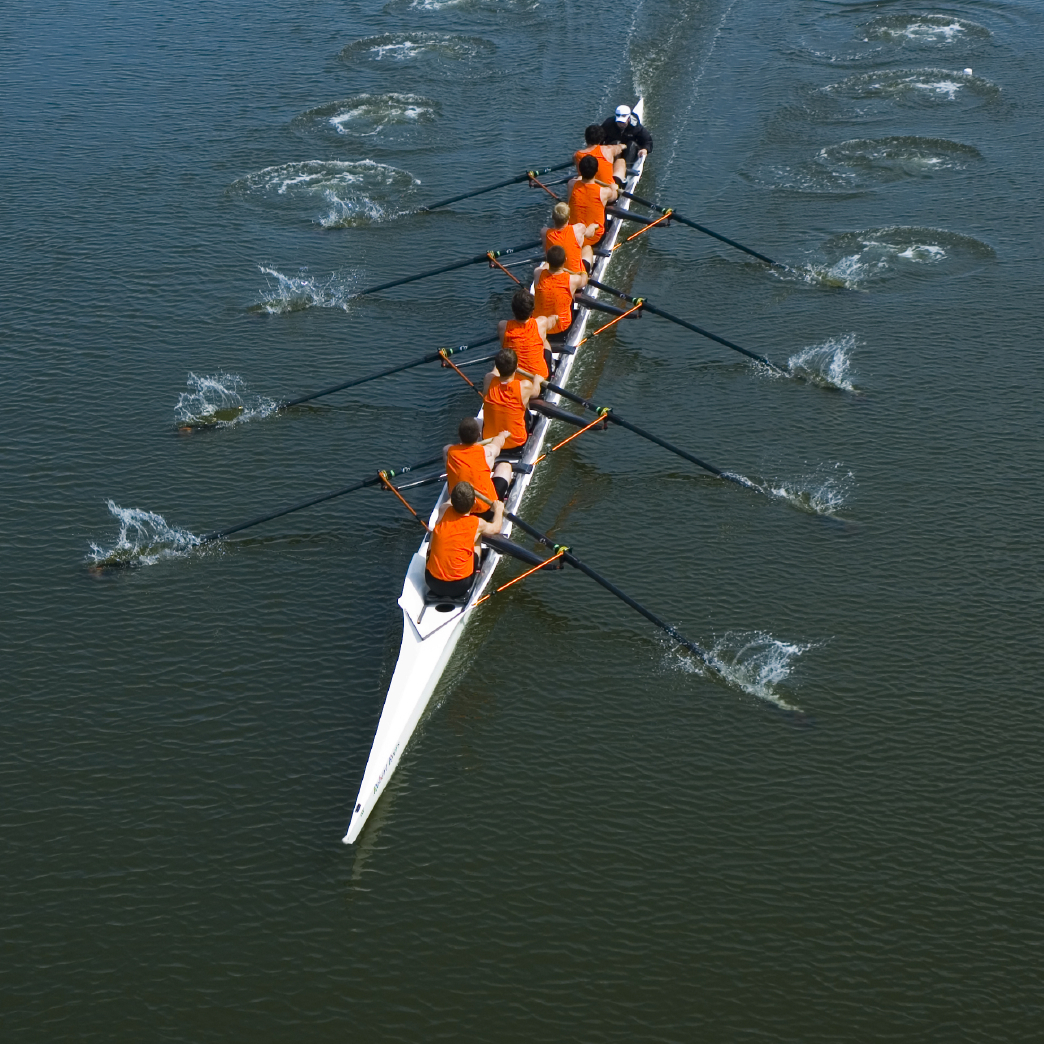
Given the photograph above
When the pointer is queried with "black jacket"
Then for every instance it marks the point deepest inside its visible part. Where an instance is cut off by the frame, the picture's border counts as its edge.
(615, 134)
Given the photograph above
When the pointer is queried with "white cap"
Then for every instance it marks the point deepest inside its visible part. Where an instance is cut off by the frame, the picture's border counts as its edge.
(622, 112)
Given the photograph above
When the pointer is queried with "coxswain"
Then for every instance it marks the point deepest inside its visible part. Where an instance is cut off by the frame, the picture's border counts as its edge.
(570, 237)
(453, 550)
(587, 200)
(505, 398)
(526, 335)
(555, 286)
(471, 461)
(611, 164)
(626, 129)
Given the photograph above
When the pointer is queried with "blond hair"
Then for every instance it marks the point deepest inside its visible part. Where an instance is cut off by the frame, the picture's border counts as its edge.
(560, 215)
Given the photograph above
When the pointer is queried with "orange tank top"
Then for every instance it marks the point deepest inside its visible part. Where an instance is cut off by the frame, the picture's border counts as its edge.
(451, 555)
(585, 205)
(525, 341)
(553, 297)
(502, 410)
(605, 167)
(566, 239)
(468, 464)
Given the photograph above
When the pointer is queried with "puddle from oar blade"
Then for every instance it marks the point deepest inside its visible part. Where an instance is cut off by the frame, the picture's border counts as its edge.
(910, 88)
(145, 538)
(337, 193)
(923, 29)
(875, 256)
(394, 120)
(445, 49)
(218, 402)
(828, 364)
(287, 293)
(752, 661)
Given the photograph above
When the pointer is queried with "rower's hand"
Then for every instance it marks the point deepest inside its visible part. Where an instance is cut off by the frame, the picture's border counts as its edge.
(504, 435)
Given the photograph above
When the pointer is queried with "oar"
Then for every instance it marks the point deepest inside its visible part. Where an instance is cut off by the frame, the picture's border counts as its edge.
(376, 480)
(476, 260)
(649, 307)
(490, 188)
(429, 358)
(615, 418)
(702, 654)
(675, 216)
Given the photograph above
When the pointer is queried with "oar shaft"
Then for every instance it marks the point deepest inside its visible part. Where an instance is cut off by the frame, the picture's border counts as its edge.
(675, 216)
(476, 260)
(430, 357)
(218, 534)
(615, 418)
(648, 307)
(490, 188)
(544, 539)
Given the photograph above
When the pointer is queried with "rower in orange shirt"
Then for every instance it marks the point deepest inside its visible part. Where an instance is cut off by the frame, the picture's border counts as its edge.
(505, 398)
(454, 546)
(526, 335)
(570, 238)
(611, 166)
(472, 461)
(555, 286)
(587, 200)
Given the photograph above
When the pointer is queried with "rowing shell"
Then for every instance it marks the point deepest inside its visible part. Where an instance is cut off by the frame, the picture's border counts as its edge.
(430, 628)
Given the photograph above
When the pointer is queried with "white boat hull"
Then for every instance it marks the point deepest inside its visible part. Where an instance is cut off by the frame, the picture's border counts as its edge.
(430, 632)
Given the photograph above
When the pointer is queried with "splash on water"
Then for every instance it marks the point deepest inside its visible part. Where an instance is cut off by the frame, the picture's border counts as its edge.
(218, 402)
(296, 293)
(930, 29)
(823, 492)
(144, 539)
(339, 194)
(889, 159)
(827, 364)
(751, 661)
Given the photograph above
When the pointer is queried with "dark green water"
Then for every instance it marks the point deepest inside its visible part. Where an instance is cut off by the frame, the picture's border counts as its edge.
(588, 839)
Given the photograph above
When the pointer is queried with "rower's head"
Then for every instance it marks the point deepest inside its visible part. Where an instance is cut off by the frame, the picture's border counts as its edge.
(555, 257)
(463, 497)
(594, 135)
(469, 431)
(588, 167)
(522, 304)
(506, 363)
(623, 114)
(560, 214)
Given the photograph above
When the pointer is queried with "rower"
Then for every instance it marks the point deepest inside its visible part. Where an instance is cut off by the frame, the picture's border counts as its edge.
(555, 286)
(505, 400)
(526, 335)
(471, 461)
(570, 238)
(625, 128)
(453, 551)
(587, 200)
(611, 164)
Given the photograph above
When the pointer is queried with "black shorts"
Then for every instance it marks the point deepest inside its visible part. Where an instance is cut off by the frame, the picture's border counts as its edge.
(450, 588)
(510, 456)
